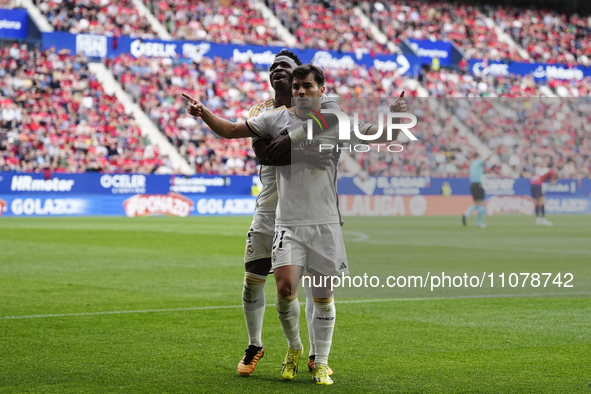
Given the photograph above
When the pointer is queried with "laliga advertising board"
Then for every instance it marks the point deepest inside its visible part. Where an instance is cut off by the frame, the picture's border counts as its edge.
(132, 195)
(23, 195)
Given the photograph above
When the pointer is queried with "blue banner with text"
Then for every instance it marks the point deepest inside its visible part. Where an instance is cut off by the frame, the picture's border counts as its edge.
(540, 71)
(102, 46)
(13, 23)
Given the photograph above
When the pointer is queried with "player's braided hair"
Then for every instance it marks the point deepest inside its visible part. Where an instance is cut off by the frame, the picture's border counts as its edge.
(291, 55)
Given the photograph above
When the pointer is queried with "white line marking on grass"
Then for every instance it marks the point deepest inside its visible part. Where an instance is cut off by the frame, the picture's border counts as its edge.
(201, 308)
(361, 237)
(197, 308)
(365, 238)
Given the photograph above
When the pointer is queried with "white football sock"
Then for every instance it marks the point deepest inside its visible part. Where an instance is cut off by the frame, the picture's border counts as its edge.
(324, 319)
(288, 310)
(310, 317)
(253, 303)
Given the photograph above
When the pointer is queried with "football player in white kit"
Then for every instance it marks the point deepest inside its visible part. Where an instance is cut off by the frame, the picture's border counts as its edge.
(259, 240)
(307, 231)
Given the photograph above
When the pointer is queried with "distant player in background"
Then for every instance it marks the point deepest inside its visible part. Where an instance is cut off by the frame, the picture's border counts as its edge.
(537, 192)
(476, 172)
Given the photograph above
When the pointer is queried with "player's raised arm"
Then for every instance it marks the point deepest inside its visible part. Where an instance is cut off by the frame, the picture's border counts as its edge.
(222, 127)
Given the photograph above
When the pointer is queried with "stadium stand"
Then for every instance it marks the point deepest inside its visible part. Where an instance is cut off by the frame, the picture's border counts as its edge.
(105, 17)
(526, 130)
(548, 36)
(441, 150)
(232, 21)
(326, 25)
(56, 116)
(229, 89)
(450, 83)
(462, 24)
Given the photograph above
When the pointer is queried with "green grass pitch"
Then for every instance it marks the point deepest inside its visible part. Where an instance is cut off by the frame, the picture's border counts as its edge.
(60, 278)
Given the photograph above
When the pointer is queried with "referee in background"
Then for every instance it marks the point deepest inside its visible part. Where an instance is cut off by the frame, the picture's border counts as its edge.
(476, 172)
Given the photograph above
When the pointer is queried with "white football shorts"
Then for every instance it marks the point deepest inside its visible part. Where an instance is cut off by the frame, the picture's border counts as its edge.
(259, 240)
(318, 247)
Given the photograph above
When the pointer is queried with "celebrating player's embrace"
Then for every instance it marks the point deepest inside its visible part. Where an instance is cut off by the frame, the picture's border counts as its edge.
(307, 237)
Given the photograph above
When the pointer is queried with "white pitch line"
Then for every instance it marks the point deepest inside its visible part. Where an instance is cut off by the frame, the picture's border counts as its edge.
(365, 238)
(197, 308)
(200, 308)
(361, 237)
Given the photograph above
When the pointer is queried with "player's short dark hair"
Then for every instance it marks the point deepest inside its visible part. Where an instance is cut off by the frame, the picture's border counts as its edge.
(291, 55)
(307, 69)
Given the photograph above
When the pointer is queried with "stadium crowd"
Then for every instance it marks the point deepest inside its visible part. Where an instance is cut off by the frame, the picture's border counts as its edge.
(451, 83)
(462, 24)
(527, 130)
(575, 88)
(326, 25)
(55, 116)
(227, 88)
(104, 17)
(548, 36)
(232, 21)
(440, 151)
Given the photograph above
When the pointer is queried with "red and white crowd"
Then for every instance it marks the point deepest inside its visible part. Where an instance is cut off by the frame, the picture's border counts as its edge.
(326, 25)
(56, 116)
(548, 36)
(230, 21)
(462, 24)
(104, 17)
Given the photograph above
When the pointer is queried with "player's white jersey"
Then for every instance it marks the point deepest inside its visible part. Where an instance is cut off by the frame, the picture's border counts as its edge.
(267, 199)
(308, 195)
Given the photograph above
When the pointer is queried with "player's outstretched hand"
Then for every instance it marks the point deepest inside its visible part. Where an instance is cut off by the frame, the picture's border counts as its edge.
(280, 146)
(399, 105)
(194, 106)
